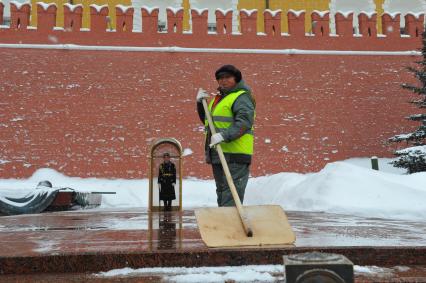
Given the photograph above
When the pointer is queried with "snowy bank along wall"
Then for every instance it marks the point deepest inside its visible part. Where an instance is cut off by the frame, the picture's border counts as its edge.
(95, 112)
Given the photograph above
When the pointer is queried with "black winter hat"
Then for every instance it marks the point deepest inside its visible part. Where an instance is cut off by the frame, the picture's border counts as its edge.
(229, 69)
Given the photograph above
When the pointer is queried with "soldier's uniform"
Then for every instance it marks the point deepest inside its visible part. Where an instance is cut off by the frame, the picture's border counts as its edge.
(167, 181)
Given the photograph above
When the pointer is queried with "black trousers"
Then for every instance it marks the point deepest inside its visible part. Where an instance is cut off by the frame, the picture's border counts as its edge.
(240, 174)
(167, 204)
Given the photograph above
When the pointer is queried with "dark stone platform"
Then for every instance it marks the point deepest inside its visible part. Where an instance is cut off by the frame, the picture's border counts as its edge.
(101, 240)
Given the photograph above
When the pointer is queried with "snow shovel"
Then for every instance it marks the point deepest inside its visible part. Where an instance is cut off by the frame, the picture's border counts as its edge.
(241, 226)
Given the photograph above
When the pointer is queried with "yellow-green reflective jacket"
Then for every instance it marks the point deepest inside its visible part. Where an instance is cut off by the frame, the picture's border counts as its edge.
(223, 117)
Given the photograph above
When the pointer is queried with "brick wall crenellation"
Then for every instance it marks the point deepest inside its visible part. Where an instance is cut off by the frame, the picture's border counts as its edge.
(391, 37)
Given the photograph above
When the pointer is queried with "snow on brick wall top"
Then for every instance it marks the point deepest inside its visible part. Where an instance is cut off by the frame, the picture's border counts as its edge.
(162, 5)
(6, 4)
(350, 6)
(212, 6)
(19, 4)
(297, 38)
(404, 7)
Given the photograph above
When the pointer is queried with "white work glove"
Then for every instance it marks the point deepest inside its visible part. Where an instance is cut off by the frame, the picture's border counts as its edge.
(202, 94)
(215, 139)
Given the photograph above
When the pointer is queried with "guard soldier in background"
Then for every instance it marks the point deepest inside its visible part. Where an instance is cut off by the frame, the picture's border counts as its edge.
(167, 182)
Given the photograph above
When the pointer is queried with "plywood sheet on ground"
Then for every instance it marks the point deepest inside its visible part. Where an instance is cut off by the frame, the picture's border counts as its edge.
(221, 227)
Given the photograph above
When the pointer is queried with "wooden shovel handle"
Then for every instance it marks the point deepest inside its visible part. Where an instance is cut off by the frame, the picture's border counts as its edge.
(241, 213)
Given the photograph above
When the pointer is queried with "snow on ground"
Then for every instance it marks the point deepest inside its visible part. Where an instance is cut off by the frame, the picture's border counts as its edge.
(379, 273)
(347, 187)
(249, 273)
(342, 187)
(371, 270)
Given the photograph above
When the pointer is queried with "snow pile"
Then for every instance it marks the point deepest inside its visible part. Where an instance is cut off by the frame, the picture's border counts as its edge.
(248, 273)
(347, 187)
(344, 188)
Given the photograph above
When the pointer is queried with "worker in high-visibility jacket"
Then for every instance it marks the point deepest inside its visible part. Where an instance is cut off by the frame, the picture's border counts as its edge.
(233, 112)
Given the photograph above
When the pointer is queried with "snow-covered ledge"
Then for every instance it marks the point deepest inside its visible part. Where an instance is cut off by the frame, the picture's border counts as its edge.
(356, 7)
(174, 10)
(98, 8)
(175, 49)
(321, 13)
(404, 7)
(248, 12)
(161, 5)
(19, 5)
(297, 13)
(123, 8)
(393, 15)
(272, 12)
(212, 6)
(223, 11)
(416, 14)
(150, 9)
(368, 14)
(46, 6)
(72, 7)
(199, 11)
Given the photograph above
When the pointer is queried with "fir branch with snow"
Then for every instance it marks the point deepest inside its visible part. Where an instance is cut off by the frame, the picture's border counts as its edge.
(414, 158)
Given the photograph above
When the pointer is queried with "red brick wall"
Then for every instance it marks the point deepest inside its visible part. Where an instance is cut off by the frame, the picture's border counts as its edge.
(94, 113)
(90, 113)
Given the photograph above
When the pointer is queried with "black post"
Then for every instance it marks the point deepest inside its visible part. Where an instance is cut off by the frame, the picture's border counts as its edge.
(374, 163)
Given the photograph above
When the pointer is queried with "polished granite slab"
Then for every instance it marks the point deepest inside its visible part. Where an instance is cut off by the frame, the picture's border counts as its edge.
(99, 240)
